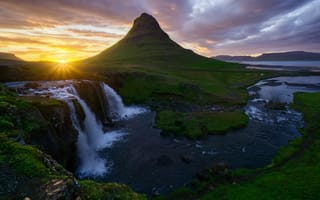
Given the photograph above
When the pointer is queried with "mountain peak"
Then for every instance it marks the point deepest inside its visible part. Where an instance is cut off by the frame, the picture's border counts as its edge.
(145, 25)
(145, 44)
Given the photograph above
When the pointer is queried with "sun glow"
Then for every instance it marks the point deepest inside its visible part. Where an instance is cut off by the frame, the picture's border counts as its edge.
(62, 61)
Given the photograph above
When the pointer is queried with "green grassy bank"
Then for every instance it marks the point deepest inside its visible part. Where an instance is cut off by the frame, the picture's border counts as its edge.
(293, 174)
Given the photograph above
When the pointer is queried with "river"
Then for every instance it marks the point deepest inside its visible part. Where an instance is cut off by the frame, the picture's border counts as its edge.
(138, 155)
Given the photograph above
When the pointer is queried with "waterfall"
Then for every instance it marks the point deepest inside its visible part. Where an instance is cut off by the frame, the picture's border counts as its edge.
(117, 108)
(91, 138)
(91, 135)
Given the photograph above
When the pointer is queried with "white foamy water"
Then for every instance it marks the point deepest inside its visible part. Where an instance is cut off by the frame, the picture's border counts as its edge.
(91, 136)
(91, 140)
(117, 108)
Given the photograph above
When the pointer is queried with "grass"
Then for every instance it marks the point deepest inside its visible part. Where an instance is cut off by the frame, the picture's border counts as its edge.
(158, 66)
(93, 190)
(199, 124)
(177, 83)
(295, 172)
(19, 114)
(18, 118)
(24, 160)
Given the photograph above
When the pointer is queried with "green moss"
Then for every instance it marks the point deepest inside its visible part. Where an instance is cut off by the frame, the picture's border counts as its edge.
(197, 124)
(5, 125)
(24, 160)
(42, 101)
(286, 152)
(93, 190)
(16, 113)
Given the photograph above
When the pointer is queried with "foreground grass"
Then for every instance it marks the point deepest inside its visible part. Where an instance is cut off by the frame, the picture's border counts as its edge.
(93, 190)
(23, 160)
(34, 173)
(294, 173)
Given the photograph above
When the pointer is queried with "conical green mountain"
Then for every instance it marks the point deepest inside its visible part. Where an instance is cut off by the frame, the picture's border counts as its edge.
(147, 44)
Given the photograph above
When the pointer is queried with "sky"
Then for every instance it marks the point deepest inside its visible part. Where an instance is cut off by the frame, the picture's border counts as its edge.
(67, 30)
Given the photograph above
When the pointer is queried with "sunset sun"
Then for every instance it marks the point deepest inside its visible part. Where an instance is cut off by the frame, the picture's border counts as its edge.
(62, 61)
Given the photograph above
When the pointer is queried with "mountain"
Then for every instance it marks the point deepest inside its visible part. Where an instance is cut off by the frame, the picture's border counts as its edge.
(9, 56)
(292, 55)
(233, 58)
(281, 56)
(147, 44)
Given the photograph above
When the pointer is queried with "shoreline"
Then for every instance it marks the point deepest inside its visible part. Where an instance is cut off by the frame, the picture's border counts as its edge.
(283, 68)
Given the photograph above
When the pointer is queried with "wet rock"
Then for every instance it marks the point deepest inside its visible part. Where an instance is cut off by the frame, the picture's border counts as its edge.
(59, 137)
(203, 175)
(219, 170)
(92, 93)
(275, 105)
(186, 158)
(58, 189)
(32, 85)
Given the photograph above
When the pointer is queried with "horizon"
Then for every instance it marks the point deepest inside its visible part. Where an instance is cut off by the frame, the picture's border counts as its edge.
(71, 31)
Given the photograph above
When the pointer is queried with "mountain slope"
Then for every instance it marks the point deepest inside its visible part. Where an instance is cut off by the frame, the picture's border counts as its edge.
(146, 43)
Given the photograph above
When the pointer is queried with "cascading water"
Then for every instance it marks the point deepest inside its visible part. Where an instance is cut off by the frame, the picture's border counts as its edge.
(91, 139)
(91, 136)
(117, 108)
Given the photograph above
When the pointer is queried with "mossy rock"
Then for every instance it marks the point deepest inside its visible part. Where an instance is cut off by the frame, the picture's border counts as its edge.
(24, 160)
(94, 190)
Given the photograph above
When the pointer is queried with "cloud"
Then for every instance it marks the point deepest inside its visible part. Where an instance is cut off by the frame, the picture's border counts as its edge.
(207, 26)
(95, 33)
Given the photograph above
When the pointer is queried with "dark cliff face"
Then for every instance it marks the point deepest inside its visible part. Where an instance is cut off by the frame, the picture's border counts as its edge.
(91, 92)
(59, 137)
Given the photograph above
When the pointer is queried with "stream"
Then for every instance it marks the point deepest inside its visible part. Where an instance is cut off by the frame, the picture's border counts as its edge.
(133, 152)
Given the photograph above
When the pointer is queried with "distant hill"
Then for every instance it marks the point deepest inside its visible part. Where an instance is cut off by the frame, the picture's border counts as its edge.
(233, 58)
(282, 56)
(147, 44)
(9, 56)
(292, 55)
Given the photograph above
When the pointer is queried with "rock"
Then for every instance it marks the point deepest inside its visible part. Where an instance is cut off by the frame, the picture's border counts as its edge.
(59, 137)
(32, 85)
(218, 170)
(186, 158)
(275, 105)
(92, 93)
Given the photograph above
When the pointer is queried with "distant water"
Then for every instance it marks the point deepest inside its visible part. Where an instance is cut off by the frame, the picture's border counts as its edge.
(284, 63)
